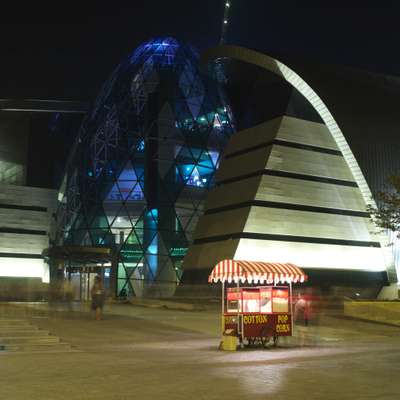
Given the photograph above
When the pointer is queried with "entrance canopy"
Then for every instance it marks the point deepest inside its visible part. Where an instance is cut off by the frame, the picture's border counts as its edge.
(257, 272)
(79, 254)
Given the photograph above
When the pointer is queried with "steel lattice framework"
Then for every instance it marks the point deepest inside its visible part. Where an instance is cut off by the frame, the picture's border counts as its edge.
(143, 161)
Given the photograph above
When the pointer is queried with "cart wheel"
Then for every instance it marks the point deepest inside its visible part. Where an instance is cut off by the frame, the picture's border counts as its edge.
(265, 341)
(250, 341)
(266, 336)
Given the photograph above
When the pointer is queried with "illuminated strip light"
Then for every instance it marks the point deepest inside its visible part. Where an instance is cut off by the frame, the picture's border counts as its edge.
(313, 256)
(277, 67)
(24, 268)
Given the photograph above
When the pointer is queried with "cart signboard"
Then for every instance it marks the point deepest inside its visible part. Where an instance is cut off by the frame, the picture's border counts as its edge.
(261, 325)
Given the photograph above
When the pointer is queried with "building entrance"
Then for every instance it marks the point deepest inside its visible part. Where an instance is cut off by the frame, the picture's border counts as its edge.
(82, 279)
(73, 270)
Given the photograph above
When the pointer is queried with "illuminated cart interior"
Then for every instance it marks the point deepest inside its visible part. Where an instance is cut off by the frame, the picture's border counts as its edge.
(262, 312)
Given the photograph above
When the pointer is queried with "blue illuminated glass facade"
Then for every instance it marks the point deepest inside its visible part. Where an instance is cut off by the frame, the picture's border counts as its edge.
(143, 161)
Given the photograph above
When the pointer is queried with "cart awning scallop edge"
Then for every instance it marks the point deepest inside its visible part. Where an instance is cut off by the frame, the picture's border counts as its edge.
(257, 272)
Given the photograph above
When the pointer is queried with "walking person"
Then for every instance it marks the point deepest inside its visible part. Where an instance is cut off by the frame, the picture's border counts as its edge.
(68, 294)
(301, 318)
(307, 317)
(98, 297)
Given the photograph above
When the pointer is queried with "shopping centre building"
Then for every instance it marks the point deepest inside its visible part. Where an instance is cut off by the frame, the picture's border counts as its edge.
(289, 188)
(183, 161)
(140, 170)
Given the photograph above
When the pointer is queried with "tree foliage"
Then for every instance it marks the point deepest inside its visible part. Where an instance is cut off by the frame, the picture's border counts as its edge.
(387, 212)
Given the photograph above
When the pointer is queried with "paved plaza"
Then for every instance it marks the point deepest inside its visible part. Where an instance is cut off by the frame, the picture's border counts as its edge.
(154, 353)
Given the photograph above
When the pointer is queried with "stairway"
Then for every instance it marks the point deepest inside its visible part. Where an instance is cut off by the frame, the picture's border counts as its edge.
(19, 335)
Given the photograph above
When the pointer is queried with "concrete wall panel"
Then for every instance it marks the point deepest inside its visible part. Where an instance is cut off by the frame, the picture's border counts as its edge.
(232, 221)
(248, 138)
(22, 243)
(308, 162)
(209, 254)
(306, 132)
(243, 164)
(303, 223)
(233, 193)
(297, 191)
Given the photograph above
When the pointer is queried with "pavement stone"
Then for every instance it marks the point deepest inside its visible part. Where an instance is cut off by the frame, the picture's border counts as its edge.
(149, 353)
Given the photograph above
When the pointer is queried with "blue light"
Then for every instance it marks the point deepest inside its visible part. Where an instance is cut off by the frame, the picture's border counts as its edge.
(152, 249)
(140, 146)
(153, 212)
(157, 44)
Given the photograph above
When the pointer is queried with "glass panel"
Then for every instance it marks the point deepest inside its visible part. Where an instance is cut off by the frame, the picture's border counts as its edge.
(265, 299)
(280, 300)
(251, 301)
(233, 300)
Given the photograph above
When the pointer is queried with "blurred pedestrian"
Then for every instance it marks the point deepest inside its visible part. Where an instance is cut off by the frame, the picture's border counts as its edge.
(307, 317)
(314, 310)
(98, 297)
(301, 318)
(68, 293)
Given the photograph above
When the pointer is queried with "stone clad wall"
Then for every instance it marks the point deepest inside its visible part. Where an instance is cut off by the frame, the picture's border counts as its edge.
(286, 194)
(13, 148)
(25, 217)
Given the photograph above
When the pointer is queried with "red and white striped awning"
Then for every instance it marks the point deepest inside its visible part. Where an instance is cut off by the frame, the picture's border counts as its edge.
(257, 272)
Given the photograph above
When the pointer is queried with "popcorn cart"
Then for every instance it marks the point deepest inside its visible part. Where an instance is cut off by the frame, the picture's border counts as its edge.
(256, 314)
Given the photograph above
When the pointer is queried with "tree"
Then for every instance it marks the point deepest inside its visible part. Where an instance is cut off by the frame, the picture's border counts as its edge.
(386, 214)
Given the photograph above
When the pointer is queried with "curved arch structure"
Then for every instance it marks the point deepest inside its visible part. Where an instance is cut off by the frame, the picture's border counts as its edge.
(278, 68)
(272, 65)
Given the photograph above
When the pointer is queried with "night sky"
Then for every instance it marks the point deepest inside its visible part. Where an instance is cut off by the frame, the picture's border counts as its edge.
(66, 51)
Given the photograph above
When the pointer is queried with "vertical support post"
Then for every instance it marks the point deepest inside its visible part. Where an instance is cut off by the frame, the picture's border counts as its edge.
(88, 284)
(291, 305)
(223, 308)
(239, 330)
(80, 283)
(113, 272)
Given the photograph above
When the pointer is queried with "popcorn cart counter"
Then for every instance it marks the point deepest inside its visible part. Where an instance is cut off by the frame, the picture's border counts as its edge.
(256, 314)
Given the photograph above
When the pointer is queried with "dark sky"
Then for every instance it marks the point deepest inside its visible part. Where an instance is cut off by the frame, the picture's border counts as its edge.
(67, 50)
